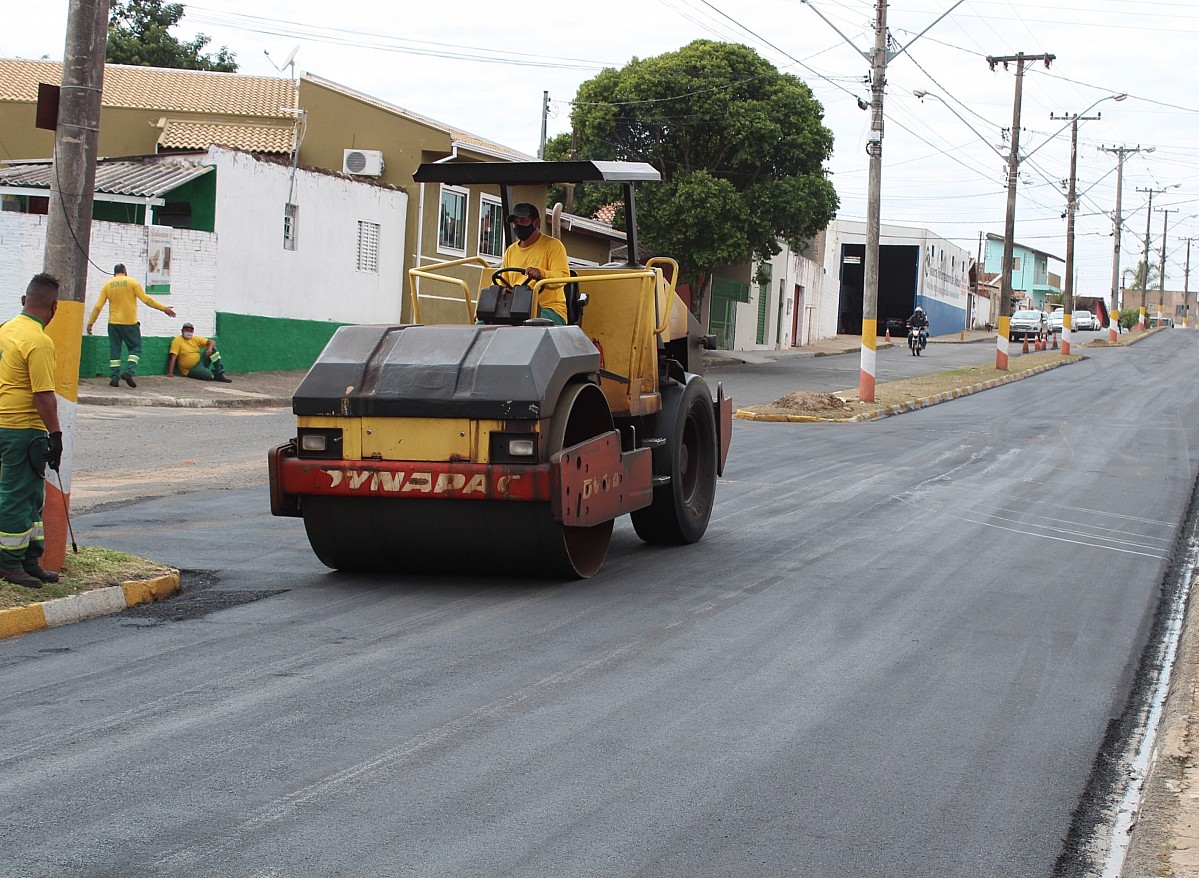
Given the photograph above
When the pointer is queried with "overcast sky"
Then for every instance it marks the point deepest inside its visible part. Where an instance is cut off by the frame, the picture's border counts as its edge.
(482, 66)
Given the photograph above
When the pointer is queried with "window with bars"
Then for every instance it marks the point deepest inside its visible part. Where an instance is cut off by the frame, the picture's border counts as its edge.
(368, 246)
(291, 215)
(451, 227)
(491, 227)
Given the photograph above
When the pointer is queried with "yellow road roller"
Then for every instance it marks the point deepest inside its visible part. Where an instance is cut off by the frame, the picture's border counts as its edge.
(505, 443)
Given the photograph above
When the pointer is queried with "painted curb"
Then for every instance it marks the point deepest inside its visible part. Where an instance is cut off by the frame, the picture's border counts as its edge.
(86, 605)
(909, 406)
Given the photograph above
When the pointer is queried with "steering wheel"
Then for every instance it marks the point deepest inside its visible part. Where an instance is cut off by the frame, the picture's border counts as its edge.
(497, 276)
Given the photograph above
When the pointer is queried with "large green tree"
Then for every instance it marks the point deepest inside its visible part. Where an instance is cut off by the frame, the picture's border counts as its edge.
(139, 34)
(741, 148)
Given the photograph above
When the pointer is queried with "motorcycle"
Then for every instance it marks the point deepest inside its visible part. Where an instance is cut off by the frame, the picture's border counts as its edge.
(917, 340)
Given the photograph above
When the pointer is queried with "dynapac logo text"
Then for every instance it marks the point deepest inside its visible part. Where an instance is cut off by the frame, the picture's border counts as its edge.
(444, 484)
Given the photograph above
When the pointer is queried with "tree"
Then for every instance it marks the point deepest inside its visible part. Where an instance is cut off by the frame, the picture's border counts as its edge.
(741, 148)
(138, 35)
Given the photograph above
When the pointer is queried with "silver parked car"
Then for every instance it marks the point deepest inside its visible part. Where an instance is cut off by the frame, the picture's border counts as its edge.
(1027, 323)
(1084, 320)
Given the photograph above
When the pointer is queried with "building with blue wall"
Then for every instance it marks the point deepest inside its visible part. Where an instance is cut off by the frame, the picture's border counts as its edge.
(1032, 281)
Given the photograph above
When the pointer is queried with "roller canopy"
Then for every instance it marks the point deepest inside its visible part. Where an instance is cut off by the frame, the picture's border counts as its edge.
(533, 173)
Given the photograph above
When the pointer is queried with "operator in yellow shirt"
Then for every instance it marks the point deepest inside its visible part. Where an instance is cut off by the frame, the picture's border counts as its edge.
(541, 256)
(28, 409)
(195, 356)
(122, 293)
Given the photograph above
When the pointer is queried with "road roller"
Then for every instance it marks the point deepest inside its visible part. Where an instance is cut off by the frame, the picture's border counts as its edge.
(505, 443)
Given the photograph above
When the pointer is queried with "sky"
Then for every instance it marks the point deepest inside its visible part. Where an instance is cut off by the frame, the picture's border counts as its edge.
(483, 67)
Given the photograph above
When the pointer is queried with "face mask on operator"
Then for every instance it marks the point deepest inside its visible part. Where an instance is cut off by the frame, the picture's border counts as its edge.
(524, 232)
(187, 333)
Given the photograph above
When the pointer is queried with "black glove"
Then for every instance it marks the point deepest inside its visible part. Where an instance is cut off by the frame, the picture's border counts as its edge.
(54, 452)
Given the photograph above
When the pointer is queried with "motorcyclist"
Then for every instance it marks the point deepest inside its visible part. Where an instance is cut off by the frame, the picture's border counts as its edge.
(918, 320)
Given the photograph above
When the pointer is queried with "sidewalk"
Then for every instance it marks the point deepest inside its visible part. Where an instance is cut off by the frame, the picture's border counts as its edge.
(249, 390)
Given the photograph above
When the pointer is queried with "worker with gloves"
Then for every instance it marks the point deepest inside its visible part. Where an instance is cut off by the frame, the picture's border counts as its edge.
(30, 436)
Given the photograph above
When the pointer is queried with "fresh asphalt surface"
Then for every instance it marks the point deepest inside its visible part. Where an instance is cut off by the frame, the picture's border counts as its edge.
(896, 652)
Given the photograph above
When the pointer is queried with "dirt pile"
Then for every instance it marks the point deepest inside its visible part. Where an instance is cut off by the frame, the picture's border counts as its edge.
(804, 403)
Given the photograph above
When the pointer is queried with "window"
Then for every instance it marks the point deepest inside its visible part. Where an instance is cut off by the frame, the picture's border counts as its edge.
(451, 227)
(491, 227)
(1015, 263)
(291, 213)
(368, 246)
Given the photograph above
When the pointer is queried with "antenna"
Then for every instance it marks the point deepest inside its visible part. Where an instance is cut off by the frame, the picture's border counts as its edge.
(289, 61)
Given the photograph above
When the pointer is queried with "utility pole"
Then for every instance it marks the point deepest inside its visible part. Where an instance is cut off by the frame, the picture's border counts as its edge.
(874, 149)
(1161, 273)
(1071, 207)
(545, 112)
(1121, 152)
(878, 58)
(1009, 226)
(1145, 262)
(1186, 288)
(69, 232)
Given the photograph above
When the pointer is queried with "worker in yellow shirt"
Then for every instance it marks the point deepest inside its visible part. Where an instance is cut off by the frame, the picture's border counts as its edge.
(121, 293)
(30, 435)
(195, 356)
(541, 256)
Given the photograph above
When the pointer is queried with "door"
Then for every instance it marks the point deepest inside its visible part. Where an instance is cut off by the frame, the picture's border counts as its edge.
(796, 321)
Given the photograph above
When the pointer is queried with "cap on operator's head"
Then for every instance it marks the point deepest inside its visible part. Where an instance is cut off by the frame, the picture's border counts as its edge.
(188, 326)
(524, 210)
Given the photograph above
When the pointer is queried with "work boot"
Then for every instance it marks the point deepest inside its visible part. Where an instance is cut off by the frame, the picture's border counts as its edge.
(114, 381)
(222, 378)
(44, 575)
(19, 577)
(129, 379)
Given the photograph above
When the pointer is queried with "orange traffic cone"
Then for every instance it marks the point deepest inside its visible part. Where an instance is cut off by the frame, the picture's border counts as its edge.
(1055, 341)
(888, 333)
(1025, 351)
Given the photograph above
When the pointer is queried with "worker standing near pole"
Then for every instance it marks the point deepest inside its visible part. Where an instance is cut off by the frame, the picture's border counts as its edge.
(124, 330)
(30, 435)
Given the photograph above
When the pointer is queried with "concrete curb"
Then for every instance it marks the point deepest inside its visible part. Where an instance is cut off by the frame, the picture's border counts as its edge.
(909, 406)
(86, 605)
(237, 402)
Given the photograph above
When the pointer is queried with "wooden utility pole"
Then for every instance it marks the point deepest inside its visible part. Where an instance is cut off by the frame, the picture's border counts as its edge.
(1186, 287)
(1009, 226)
(69, 232)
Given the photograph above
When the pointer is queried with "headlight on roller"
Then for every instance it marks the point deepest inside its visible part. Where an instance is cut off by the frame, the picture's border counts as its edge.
(322, 442)
(522, 447)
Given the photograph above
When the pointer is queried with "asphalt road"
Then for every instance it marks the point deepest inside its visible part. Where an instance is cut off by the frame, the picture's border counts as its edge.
(897, 651)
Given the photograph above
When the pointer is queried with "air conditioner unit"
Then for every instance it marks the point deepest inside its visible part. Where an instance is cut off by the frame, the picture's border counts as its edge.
(363, 162)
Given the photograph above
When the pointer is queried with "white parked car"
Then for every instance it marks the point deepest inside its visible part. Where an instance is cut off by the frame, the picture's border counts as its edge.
(1055, 320)
(1084, 320)
(1027, 323)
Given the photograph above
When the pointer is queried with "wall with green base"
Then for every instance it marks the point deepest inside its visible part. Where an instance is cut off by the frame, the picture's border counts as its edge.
(247, 344)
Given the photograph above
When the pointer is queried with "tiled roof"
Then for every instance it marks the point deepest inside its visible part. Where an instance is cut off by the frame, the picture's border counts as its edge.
(454, 133)
(180, 134)
(146, 178)
(154, 88)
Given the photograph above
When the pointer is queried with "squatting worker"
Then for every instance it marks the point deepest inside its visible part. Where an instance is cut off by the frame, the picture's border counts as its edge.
(121, 293)
(541, 256)
(28, 409)
(196, 357)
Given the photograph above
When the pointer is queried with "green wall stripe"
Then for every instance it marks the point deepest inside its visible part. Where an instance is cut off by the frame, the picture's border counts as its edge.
(247, 343)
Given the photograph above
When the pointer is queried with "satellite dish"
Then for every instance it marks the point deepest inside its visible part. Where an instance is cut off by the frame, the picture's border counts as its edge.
(291, 56)
(289, 61)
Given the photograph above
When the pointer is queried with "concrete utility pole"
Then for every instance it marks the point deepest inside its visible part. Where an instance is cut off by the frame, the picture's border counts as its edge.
(1009, 226)
(878, 58)
(545, 112)
(69, 232)
(1186, 288)
(1071, 207)
(874, 149)
(1161, 272)
(1121, 152)
(1145, 261)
